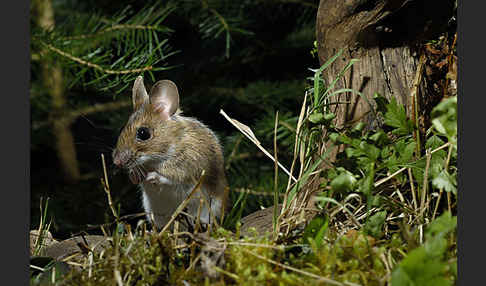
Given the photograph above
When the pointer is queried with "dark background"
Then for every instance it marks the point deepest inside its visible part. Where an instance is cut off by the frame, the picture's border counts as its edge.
(266, 71)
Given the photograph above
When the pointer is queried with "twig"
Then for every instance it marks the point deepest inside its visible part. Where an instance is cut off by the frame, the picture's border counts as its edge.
(97, 108)
(95, 66)
(446, 164)
(232, 275)
(275, 181)
(72, 115)
(249, 134)
(257, 193)
(106, 187)
(415, 107)
(379, 182)
(414, 198)
(277, 247)
(428, 155)
(296, 149)
(37, 267)
(233, 152)
(440, 148)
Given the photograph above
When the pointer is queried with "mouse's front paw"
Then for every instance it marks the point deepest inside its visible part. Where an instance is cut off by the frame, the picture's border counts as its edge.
(156, 179)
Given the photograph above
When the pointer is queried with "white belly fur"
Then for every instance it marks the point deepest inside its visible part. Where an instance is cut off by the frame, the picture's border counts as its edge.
(162, 200)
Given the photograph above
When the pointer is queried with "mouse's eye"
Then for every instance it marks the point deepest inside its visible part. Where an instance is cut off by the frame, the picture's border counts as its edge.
(143, 133)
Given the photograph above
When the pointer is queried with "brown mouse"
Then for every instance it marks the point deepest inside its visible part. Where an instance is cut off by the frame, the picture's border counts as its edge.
(165, 153)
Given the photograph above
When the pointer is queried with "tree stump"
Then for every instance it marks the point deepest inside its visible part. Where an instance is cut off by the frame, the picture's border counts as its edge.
(386, 36)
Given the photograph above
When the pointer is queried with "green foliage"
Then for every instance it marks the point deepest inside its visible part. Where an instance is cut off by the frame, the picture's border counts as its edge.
(315, 230)
(374, 226)
(371, 158)
(375, 153)
(445, 119)
(216, 20)
(429, 264)
(366, 195)
(396, 116)
(344, 181)
(107, 53)
(141, 258)
(363, 246)
(445, 181)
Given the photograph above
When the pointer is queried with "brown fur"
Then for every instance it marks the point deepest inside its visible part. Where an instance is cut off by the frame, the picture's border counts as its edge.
(180, 147)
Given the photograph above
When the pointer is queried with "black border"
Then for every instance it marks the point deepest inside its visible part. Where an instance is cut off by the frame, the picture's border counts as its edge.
(15, 117)
(471, 147)
(15, 140)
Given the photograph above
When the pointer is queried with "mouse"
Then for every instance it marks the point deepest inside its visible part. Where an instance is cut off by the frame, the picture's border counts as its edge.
(165, 153)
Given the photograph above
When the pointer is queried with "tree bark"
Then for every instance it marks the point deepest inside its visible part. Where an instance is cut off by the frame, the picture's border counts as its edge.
(54, 83)
(386, 36)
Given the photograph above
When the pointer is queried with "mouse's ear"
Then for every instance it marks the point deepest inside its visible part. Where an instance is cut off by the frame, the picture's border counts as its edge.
(164, 98)
(139, 93)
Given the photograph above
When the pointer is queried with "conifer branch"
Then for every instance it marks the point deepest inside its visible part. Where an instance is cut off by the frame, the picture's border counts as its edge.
(97, 108)
(95, 66)
(113, 28)
(72, 115)
(221, 19)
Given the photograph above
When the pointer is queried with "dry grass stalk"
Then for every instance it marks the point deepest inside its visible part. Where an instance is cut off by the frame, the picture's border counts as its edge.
(415, 101)
(276, 225)
(423, 196)
(249, 134)
(276, 247)
(232, 275)
(106, 187)
(446, 165)
(256, 193)
(319, 278)
(414, 198)
(379, 182)
(296, 148)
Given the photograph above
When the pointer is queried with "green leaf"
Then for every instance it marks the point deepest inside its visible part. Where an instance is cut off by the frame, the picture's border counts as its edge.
(352, 152)
(371, 151)
(426, 265)
(400, 278)
(379, 138)
(343, 182)
(316, 229)
(344, 139)
(329, 116)
(445, 118)
(434, 142)
(441, 225)
(407, 154)
(374, 224)
(359, 127)
(436, 164)
(316, 118)
(396, 116)
(317, 75)
(334, 136)
(445, 181)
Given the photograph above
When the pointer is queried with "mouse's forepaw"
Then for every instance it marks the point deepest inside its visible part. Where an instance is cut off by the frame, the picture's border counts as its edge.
(156, 179)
